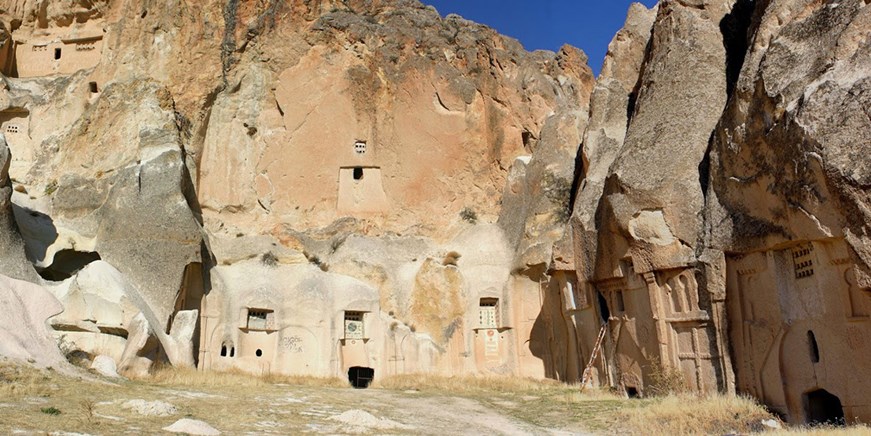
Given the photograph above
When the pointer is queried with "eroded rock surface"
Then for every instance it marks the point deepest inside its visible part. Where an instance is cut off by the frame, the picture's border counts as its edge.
(360, 189)
(24, 332)
(790, 179)
(737, 195)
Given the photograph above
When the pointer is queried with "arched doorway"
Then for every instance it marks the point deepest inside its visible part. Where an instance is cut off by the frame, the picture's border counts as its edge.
(821, 407)
(360, 376)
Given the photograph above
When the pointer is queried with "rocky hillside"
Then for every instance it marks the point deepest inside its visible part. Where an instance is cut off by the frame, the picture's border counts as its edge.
(231, 156)
(357, 188)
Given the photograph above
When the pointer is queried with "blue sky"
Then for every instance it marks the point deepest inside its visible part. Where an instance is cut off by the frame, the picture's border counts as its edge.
(548, 24)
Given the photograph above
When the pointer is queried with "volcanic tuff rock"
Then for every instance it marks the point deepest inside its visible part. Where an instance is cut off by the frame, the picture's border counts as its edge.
(790, 152)
(353, 144)
(23, 330)
(789, 202)
(611, 104)
(13, 261)
(739, 194)
(652, 199)
(333, 188)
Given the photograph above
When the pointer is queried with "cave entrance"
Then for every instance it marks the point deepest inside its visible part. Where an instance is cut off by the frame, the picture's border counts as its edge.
(66, 263)
(821, 407)
(360, 376)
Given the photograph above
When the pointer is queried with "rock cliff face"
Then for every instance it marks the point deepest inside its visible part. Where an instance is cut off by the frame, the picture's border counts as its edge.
(789, 189)
(730, 217)
(365, 187)
(332, 184)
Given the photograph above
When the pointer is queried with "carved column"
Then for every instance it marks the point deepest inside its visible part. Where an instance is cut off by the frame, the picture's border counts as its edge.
(658, 315)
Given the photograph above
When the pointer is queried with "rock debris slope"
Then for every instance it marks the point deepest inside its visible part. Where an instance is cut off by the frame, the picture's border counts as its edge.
(365, 188)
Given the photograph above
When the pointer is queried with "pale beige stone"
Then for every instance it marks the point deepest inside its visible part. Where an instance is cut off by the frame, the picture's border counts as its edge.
(24, 331)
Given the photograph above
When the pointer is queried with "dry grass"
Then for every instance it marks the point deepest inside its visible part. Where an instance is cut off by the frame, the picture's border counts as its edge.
(238, 403)
(466, 384)
(190, 377)
(19, 382)
(855, 430)
(689, 414)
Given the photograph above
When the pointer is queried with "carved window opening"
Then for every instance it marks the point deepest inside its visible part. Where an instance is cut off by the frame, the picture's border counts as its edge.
(261, 319)
(571, 297)
(803, 261)
(57, 53)
(488, 314)
(258, 353)
(576, 294)
(360, 147)
(814, 349)
(604, 312)
(228, 346)
(354, 325)
(358, 173)
(92, 86)
(619, 305)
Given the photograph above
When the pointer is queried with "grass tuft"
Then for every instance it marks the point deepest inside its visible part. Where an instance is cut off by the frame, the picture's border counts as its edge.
(50, 411)
(691, 414)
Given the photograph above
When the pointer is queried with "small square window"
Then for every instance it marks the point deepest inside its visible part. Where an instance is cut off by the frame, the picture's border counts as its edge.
(802, 259)
(360, 147)
(354, 325)
(261, 319)
(488, 314)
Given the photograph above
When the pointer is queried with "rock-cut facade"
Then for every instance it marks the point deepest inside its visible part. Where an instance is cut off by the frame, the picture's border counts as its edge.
(360, 189)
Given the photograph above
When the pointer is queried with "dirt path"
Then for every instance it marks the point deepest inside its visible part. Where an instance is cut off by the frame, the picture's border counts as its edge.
(446, 414)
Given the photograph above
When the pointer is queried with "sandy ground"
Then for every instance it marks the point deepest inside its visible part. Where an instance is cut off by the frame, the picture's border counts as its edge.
(53, 404)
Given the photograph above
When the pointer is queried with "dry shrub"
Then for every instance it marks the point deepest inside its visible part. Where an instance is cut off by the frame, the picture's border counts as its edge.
(691, 414)
(467, 384)
(167, 375)
(302, 380)
(665, 381)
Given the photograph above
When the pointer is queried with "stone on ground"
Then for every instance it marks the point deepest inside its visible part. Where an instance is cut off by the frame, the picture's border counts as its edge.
(192, 426)
(105, 366)
(150, 408)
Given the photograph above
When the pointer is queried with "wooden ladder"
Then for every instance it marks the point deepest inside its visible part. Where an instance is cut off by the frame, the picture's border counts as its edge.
(596, 348)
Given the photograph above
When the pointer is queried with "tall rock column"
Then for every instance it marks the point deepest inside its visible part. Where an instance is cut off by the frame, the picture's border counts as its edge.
(610, 109)
(13, 261)
(789, 202)
(647, 271)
